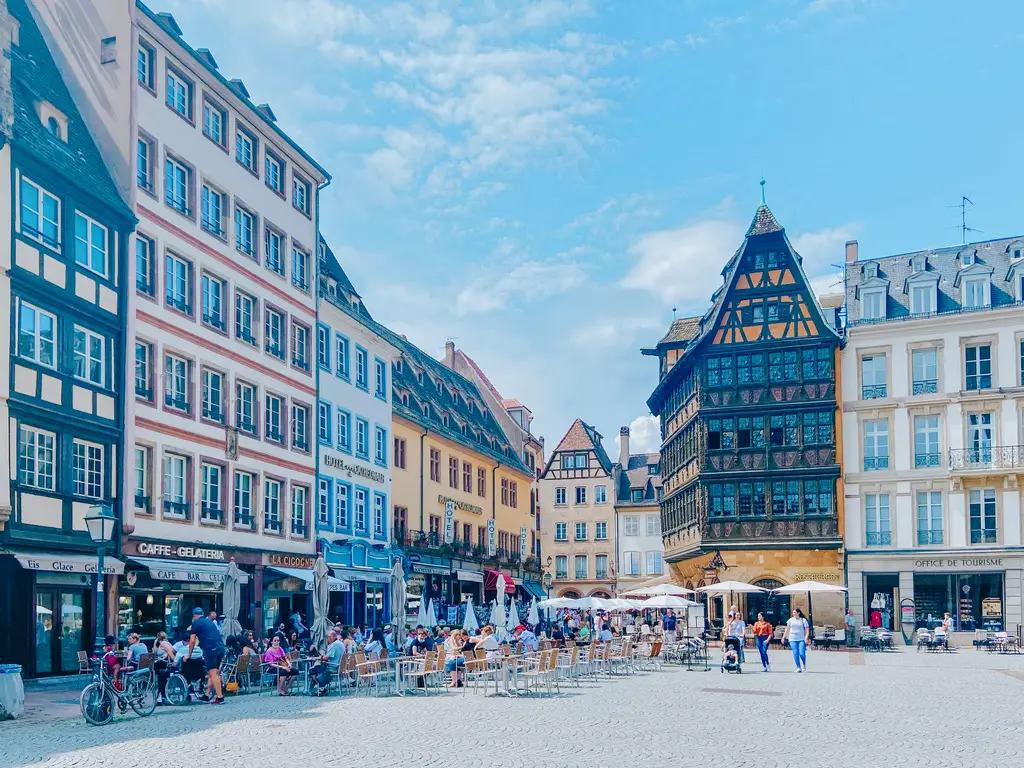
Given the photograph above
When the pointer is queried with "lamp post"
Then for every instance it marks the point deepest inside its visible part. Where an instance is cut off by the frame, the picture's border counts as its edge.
(546, 583)
(101, 523)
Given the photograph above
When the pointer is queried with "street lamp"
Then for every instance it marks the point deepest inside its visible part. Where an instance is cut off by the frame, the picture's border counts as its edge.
(101, 523)
(546, 583)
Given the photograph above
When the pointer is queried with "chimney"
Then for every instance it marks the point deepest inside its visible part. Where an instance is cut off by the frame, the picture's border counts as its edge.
(851, 251)
(449, 354)
(624, 446)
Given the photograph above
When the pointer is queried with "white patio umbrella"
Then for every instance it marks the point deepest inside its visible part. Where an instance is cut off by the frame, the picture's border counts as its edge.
(513, 617)
(321, 599)
(498, 617)
(659, 589)
(398, 599)
(421, 616)
(431, 621)
(470, 623)
(668, 601)
(809, 587)
(730, 588)
(557, 602)
(533, 617)
(232, 600)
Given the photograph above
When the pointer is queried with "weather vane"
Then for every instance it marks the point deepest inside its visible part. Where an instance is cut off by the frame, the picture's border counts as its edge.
(762, 191)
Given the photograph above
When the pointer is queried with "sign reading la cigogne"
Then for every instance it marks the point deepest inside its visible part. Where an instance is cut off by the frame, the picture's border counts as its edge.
(180, 551)
(336, 462)
(461, 504)
(289, 561)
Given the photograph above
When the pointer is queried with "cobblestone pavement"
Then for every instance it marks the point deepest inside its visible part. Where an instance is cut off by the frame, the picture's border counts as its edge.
(903, 708)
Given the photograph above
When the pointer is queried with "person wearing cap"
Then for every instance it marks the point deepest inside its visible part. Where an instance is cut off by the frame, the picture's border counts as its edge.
(206, 635)
(527, 638)
(389, 639)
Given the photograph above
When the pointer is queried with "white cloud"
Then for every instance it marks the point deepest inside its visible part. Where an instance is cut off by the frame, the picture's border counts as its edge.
(610, 332)
(528, 280)
(617, 214)
(395, 166)
(645, 435)
(824, 246)
(301, 20)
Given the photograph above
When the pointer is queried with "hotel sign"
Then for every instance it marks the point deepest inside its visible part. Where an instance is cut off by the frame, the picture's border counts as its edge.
(492, 538)
(449, 522)
(336, 462)
(522, 543)
(442, 499)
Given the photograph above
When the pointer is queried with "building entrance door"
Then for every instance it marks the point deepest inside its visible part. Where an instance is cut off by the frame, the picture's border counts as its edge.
(774, 607)
(60, 630)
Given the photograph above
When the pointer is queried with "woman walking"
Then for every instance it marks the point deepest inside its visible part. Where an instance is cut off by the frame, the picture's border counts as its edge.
(796, 633)
(763, 636)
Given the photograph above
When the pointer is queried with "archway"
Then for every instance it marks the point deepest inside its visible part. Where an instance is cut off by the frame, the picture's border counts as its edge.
(572, 594)
(600, 593)
(774, 607)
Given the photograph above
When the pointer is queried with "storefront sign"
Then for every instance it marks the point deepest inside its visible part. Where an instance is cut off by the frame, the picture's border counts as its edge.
(56, 563)
(336, 462)
(437, 570)
(492, 538)
(289, 561)
(449, 522)
(522, 543)
(991, 608)
(827, 576)
(442, 499)
(960, 563)
(907, 612)
(183, 551)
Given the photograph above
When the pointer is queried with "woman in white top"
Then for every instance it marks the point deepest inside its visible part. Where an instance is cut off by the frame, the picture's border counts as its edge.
(797, 630)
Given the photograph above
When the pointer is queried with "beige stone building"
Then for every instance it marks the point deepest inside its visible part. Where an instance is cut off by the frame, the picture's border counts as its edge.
(578, 529)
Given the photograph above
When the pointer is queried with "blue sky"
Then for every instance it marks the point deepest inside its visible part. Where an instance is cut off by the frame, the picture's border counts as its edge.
(544, 181)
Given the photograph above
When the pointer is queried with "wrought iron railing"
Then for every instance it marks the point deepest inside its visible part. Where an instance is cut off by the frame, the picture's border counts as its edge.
(875, 462)
(986, 536)
(879, 538)
(873, 391)
(925, 538)
(926, 460)
(926, 387)
(994, 457)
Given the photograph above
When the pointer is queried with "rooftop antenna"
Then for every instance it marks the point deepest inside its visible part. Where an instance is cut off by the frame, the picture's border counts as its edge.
(964, 229)
(762, 191)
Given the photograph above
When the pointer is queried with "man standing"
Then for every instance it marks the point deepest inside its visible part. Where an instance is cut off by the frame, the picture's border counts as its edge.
(670, 625)
(851, 628)
(205, 634)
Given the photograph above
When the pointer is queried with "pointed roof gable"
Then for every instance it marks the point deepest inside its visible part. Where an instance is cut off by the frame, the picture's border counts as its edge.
(583, 437)
(763, 223)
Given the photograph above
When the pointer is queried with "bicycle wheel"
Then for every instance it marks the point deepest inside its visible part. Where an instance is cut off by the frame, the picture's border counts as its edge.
(97, 704)
(177, 690)
(143, 698)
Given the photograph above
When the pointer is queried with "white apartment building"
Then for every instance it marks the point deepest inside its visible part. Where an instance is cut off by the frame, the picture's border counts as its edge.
(639, 548)
(933, 411)
(224, 317)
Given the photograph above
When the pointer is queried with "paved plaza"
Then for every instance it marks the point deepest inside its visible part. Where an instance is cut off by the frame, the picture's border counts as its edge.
(904, 708)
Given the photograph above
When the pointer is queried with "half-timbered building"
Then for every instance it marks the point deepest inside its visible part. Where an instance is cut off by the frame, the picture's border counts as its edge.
(747, 402)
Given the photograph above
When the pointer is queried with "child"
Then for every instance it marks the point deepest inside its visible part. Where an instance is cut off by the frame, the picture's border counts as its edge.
(111, 662)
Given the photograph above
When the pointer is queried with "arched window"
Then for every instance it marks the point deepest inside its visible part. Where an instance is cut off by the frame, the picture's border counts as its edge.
(53, 127)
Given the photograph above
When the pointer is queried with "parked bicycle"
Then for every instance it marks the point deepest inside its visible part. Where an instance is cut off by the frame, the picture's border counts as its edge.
(138, 691)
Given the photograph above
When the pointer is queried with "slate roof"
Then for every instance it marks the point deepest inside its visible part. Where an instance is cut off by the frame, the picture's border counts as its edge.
(681, 330)
(1004, 256)
(583, 437)
(635, 475)
(35, 78)
(763, 223)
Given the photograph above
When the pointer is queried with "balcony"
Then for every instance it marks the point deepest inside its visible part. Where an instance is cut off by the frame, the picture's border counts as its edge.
(178, 509)
(271, 524)
(922, 460)
(214, 320)
(925, 538)
(878, 538)
(244, 520)
(212, 513)
(999, 457)
(873, 463)
(142, 502)
(176, 400)
(873, 392)
(213, 412)
(983, 537)
(299, 529)
(925, 387)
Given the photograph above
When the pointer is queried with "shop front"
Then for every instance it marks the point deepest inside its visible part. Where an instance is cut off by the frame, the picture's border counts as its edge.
(469, 583)
(366, 567)
(288, 590)
(431, 581)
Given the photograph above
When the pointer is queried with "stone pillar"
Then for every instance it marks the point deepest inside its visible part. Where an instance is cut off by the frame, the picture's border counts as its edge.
(906, 590)
(1011, 514)
(957, 516)
(1013, 606)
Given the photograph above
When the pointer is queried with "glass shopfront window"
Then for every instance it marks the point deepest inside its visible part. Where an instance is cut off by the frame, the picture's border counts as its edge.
(881, 598)
(974, 600)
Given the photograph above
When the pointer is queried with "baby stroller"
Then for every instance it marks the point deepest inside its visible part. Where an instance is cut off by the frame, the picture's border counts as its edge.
(731, 656)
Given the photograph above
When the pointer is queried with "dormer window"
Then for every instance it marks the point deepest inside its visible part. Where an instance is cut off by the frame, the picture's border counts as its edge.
(919, 262)
(873, 303)
(922, 299)
(405, 399)
(976, 292)
(444, 419)
(967, 259)
(53, 127)
(426, 410)
(871, 270)
(54, 120)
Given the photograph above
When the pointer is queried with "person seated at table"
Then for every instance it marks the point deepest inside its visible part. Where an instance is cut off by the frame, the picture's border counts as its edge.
(329, 661)
(488, 643)
(136, 650)
(390, 640)
(374, 644)
(278, 659)
(412, 638)
(164, 653)
(111, 661)
(605, 635)
(454, 660)
(557, 636)
(527, 638)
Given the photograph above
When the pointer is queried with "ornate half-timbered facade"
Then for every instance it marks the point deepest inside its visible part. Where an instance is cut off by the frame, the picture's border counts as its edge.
(747, 402)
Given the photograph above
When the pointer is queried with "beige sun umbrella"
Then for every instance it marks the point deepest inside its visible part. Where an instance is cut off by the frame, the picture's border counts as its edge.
(231, 591)
(321, 599)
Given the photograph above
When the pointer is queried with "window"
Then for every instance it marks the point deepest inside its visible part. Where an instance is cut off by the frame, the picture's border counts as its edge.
(323, 347)
(144, 173)
(274, 414)
(926, 441)
(654, 525)
(559, 496)
(342, 501)
(300, 269)
(513, 494)
(175, 473)
(581, 531)
(213, 301)
(300, 194)
(144, 282)
(378, 517)
(360, 509)
(632, 563)
(243, 500)
(245, 314)
(143, 370)
(721, 435)
(214, 123)
(785, 498)
(783, 430)
(90, 244)
(976, 293)
(36, 468)
(561, 567)
(245, 231)
(363, 439)
(177, 183)
(720, 371)
(344, 431)
(581, 566)
(467, 477)
(600, 531)
(435, 465)
(400, 452)
(979, 439)
(179, 94)
(636, 495)
(600, 494)
(300, 346)
(983, 516)
(273, 173)
(323, 423)
(601, 566)
(272, 243)
(381, 379)
(214, 205)
(922, 299)
(213, 395)
(873, 304)
(750, 368)
(273, 333)
(481, 482)
(817, 428)
(631, 525)
(926, 371)
(40, 214)
(362, 372)
(380, 451)
(37, 335)
(300, 427)
(722, 499)
(323, 503)
(341, 348)
(142, 501)
(179, 283)
(978, 367)
(581, 494)
(272, 506)
(929, 518)
(299, 496)
(654, 563)
(877, 520)
(245, 408)
(245, 149)
(145, 65)
(873, 378)
(560, 533)
(176, 383)
(819, 497)
(876, 444)
(211, 475)
(453, 472)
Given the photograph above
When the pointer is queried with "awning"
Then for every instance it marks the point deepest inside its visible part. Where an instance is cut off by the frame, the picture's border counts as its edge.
(186, 570)
(534, 589)
(490, 579)
(477, 577)
(355, 574)
(306, 576)
(56, 562)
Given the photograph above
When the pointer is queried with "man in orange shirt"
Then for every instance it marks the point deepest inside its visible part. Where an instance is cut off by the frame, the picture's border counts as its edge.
(763, 636)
